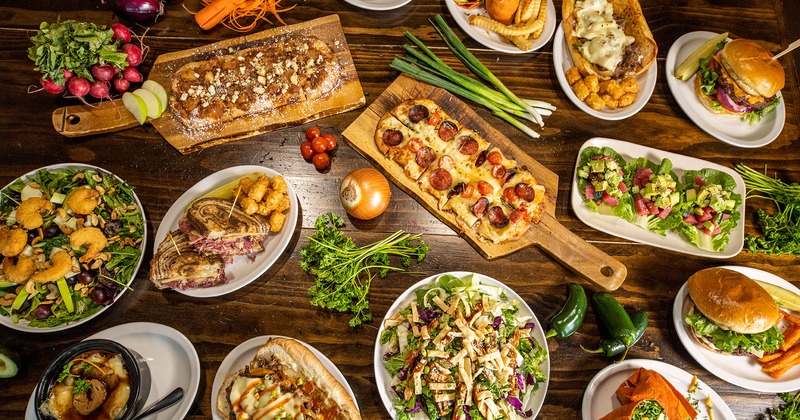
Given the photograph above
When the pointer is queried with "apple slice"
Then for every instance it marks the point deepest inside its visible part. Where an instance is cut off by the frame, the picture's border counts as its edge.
(136, 106)
(152, 102)
(160, 93)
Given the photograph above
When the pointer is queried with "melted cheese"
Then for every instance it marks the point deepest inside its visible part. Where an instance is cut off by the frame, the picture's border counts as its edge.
(605, 41)
(262, 399)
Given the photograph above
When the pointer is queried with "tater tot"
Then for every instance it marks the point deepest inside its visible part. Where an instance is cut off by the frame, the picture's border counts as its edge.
(248, 205)
(264, 209)
(614, 89)
(580, 89)
(276, 221)
(259, 189)
(246, 183)
(592, 83)
(595, 102)
(573, 75)
(609, 100)
(278, 184)
(629, 85)
(283, 204)
(273, 199)
(626, 99)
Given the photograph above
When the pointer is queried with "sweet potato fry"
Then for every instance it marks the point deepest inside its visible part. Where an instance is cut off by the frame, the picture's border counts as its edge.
(791, 318)
(770, 357)
(789, 358)
(790, 337)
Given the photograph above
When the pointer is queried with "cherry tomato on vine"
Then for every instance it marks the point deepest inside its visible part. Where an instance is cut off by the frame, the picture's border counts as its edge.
(319, 144)
(321, 160)
(330, 142)
(312, 133)
(306, 150)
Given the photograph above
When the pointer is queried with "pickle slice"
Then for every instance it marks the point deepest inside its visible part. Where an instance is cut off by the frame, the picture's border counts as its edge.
(785, 298)
(692, 62)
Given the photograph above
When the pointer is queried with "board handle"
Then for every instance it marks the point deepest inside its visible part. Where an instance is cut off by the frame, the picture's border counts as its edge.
(578, 255)
(85, 120)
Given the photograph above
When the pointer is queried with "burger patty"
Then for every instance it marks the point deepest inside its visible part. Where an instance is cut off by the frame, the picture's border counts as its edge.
(727, 85)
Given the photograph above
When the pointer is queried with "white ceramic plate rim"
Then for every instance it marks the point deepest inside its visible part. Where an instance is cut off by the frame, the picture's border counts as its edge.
(562, 60)
(493, 40)
(242, 354)
(242, 271)
(672, 241)
(383, 378)
(719, 126)
(378, 5)
(598, 389)
(189, 381)
(733, 369)
(23, 324)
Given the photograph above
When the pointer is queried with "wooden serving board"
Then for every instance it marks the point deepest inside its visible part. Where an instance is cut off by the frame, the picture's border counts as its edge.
(548, 234)
(83, 120)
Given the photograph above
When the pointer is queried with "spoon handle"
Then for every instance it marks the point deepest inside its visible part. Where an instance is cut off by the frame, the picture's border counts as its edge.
(171, 398)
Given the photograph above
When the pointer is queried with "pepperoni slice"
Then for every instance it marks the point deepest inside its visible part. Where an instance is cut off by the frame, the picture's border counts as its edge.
(509, 173)
(510, 194)
(458, 189)
(441, 179)
(495, 157)
(425, 157)
(447, 130)
(485, 188)
(480, 206)
(414, 144)
(525, 191)
(392, 137)
(480, 159)
(418, 113)
(446, 162)
(498, 217)
(469, 146)
(468, 190)
(498, 171)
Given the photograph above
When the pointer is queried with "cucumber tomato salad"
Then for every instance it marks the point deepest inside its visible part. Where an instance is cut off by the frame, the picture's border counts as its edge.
(463, 350)
(71, 240)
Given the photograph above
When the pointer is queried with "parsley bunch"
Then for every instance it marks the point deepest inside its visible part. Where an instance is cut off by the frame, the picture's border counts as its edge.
(790, 411)
(343, 271)
(781, 230)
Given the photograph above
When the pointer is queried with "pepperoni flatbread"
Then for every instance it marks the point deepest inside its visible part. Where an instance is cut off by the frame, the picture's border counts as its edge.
(485, 189)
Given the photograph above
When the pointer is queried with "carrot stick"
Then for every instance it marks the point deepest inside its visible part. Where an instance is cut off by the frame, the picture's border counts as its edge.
(213, 14)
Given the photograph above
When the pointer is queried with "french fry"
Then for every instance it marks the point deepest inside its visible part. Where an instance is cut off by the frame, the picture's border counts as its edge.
(778, 373)
(530, 8)
(541, 18)
(506, 31)
(790, 337)
(770, 357)
(789, 358)
(521, 42)
(791, 318)
(518, 15)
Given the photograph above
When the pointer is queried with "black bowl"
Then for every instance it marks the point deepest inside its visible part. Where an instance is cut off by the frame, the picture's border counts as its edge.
(136, 366)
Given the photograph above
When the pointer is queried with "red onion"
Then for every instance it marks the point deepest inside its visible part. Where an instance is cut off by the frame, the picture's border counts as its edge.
(729, 104)
(138, 10)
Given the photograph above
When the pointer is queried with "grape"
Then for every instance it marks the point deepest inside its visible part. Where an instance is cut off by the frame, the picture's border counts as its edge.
(32, 234)
(98, 295)
(85, 277)
(51, 231)
(42, 312)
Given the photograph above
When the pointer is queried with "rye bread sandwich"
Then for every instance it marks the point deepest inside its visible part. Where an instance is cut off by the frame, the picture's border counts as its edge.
(176, 265)
(732, 314)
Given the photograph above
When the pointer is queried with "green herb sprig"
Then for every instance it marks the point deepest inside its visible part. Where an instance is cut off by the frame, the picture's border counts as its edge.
(790, 411)
(781, 230)
(343, 271)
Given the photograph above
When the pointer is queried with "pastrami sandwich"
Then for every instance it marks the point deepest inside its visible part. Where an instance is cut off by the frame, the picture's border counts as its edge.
(732, 314)
(176, 265)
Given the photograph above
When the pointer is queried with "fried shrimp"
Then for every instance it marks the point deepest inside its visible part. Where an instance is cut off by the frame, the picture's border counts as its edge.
(83, 200)
(20, 271)
(29, 213)
(92, 237)
(12, 241)
(61, 265)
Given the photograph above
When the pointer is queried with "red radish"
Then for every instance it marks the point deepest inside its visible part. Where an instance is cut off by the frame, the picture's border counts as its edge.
(121, 84)
(78, 86)
(134, 54)
(99, 89)
(132, 74)
(50, 86)
(103, 73)
(121, 33)
(67, 74)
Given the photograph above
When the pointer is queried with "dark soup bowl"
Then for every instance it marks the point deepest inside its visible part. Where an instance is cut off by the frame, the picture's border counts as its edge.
(93, 380)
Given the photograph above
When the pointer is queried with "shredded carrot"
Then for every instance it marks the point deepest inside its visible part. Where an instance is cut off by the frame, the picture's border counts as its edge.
(244, 15)
(78, 359)
(469, 4)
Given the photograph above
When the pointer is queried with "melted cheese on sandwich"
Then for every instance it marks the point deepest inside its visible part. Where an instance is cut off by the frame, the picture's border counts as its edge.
(605, 41)
(263, 399)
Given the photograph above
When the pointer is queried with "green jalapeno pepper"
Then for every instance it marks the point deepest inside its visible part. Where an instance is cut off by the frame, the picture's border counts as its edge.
(570, 318)
(611, 347)
(613, 316)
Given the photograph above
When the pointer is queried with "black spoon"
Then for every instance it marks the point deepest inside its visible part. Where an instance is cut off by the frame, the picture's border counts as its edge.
(171, 398)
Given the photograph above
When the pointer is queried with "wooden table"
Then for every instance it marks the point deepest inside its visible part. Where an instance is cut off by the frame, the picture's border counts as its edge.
(278, 303)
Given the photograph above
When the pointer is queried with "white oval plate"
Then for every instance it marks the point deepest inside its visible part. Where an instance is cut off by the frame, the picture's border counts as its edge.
(242, 271)
(672, 241)
(731, 130)
(243, 354)
(23, 324)
(378, 4)
(738, 370)
(172, 360)
(600, 399)
(384, 379)
(562, 61)
(493, 40)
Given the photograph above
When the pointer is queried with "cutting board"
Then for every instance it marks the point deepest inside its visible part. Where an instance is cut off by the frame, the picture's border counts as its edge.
(108, 116)
(548, 234)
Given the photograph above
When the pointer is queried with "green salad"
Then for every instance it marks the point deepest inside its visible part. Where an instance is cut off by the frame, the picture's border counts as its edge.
(71, 241)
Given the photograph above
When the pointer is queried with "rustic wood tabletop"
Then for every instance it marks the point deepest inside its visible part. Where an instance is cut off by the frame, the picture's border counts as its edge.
(277, 303)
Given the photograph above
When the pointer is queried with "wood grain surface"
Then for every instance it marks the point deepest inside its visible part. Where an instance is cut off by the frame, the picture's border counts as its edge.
(278, 303)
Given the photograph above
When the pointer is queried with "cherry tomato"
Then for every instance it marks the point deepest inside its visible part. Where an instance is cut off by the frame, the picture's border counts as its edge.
(494, 157)
(306, 150)
(485, 188)
(312, 133)
(319, 144)
(330, 142)
(415, 144)
(435, 118)
(516, 216)
(498, 171)
(510, 194)
(321, 160)
(468, 190)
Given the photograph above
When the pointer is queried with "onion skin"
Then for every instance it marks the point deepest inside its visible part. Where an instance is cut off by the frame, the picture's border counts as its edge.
(365, 193)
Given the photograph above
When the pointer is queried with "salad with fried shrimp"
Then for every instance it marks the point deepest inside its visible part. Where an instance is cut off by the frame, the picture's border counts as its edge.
(71, 240)
(463, 349)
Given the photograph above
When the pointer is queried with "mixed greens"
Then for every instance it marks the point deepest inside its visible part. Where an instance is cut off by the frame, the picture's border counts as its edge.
(89, 283)
(767, 341)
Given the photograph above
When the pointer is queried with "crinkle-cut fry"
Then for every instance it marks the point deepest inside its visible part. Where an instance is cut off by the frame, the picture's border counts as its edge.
(770, 357)
(542, 17)
(530, 8)
(522, 42)
(506, 31)
(789, 358)
(518, 15)
(790, 337)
